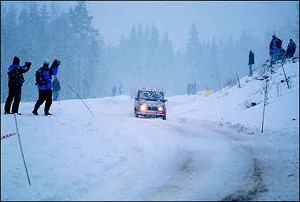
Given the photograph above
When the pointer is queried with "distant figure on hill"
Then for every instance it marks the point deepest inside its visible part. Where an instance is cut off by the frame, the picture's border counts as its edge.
(274, 47)
(291, 49)
(120, 89)
(114, 91)
(251, 62)
(188, 88)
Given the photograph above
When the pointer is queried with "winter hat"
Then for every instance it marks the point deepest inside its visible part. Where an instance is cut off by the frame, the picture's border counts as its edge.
(16, 60)
(46, 62)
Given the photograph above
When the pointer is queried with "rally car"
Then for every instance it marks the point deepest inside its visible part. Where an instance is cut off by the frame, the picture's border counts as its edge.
(150, 103)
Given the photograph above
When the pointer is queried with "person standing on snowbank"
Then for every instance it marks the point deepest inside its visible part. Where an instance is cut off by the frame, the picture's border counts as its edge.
(275, 47)
(291, 49)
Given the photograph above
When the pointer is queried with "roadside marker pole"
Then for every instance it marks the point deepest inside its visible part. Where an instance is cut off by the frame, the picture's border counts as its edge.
(19, 138)
(287, 81)
(81, 100)
(237, 76)
(265, 98)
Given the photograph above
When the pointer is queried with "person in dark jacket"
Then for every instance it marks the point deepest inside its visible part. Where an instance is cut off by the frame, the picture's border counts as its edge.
(251, 62)
(15, 82)
(275, 47)
(55, 88)
(44, 86)
(291, 49)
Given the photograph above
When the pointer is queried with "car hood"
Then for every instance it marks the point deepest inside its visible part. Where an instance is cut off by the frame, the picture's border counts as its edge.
(152, 103)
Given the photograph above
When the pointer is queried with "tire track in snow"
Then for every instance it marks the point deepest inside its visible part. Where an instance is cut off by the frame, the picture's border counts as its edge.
(252, 186)
(200, 164)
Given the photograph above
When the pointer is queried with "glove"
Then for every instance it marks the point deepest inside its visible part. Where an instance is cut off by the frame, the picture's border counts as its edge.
(27, 64)
(56, 62)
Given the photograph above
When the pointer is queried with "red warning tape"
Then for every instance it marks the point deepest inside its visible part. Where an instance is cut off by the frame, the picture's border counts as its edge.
(9, 135)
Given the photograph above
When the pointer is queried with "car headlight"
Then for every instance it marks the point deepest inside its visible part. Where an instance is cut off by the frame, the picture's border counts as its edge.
(160, 108)
(143, 107)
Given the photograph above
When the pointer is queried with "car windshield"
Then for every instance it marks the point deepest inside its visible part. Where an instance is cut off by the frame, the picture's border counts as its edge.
(150, 95)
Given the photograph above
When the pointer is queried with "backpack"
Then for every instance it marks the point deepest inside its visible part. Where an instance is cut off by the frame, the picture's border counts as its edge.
(15, 77)
(278, 43)
(39, 77)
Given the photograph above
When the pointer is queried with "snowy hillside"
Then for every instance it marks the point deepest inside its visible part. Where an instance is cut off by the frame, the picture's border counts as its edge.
(209, 148)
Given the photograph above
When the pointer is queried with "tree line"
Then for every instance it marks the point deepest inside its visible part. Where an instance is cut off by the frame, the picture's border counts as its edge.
(143, 57)
(38, 32)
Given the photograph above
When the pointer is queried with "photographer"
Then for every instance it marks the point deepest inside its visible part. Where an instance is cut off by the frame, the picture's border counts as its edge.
(15, 82)
(43, 80)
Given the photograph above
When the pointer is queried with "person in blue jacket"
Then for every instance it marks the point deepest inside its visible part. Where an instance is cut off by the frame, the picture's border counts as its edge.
(275, 47)
(15, 82)
(55, 88)
(43, 80)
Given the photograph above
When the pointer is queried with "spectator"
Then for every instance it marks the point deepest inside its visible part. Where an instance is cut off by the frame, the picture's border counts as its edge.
(274, 47)
(114, 91)
(15, 82)
(251, 62)
(291, 49)
(55, 88)
(43, 80)
(120, 89)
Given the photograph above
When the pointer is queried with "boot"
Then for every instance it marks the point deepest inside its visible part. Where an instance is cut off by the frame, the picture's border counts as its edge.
(47, 113)
(35, 112)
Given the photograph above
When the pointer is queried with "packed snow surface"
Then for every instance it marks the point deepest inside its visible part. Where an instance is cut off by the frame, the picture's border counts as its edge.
(209, 148)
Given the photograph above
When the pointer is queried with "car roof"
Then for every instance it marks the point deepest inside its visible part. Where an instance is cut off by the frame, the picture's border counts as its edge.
(151, 89)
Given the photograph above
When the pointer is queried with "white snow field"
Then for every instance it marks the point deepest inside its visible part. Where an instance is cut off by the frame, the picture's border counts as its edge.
(209, 148)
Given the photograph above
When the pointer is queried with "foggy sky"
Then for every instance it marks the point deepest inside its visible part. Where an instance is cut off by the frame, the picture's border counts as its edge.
(220, 19)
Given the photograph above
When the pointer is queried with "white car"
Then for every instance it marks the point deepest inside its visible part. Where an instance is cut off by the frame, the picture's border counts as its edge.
(150, 103)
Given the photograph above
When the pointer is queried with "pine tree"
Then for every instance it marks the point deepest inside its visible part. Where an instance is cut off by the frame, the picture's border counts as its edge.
(193, 54)
(83, 32)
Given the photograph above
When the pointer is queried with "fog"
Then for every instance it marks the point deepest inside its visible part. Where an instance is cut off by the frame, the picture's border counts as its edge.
(136, 44)
(219, 19)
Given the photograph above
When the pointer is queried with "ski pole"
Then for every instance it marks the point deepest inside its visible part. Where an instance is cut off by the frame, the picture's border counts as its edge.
(19, 138)
(81, 99)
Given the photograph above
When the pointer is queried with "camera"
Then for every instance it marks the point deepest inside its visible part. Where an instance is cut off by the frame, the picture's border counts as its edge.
(27, 64)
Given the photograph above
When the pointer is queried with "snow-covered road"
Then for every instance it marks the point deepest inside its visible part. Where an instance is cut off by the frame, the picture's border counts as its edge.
(209, 148)
(115, 156)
